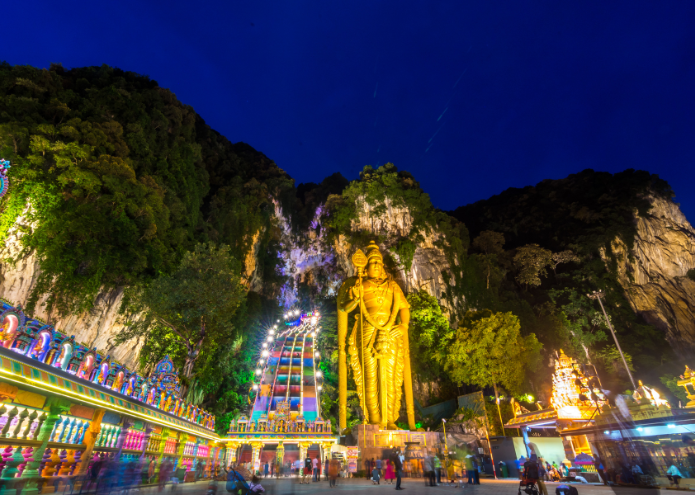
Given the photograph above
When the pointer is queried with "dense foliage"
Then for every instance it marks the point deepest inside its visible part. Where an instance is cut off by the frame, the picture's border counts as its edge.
(115, 180)
(194, 307)
(554, 237)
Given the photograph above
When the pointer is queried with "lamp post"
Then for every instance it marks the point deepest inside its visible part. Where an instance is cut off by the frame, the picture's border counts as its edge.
(446, 445)
(598, 294)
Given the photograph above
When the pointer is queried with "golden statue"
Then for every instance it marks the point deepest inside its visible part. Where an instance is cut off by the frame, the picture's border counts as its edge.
(378, 347)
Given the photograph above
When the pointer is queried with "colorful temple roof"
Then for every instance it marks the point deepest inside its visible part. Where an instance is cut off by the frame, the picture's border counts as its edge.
(60, 360)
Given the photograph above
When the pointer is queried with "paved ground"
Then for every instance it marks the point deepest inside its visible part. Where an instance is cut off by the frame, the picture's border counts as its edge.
(412, 487)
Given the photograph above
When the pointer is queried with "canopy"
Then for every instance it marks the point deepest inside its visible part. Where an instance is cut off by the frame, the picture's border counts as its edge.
(583, 459)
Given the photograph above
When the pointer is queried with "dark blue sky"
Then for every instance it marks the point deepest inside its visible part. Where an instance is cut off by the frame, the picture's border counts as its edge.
(472, 97)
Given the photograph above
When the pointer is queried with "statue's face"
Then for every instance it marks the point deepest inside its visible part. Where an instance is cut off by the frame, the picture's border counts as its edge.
(375, 269)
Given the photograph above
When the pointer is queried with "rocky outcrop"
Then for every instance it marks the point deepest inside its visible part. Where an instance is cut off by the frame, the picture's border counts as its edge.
(311, 259)
(655, 275)
(429, 260)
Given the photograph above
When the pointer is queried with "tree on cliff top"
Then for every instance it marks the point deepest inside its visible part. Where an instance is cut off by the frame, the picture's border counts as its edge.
(194, 307)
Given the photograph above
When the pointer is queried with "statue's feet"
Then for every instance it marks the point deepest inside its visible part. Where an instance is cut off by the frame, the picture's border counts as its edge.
(393, 426)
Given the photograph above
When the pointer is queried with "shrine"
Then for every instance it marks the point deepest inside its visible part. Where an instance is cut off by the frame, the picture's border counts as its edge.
(285, 422)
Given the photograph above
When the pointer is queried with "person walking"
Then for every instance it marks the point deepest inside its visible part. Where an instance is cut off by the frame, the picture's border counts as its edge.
(326, 465)
(532, 473)
(437, 468)
(476, 471)
(306, 471)
(450, 475)
(674, 475)
(266, 469)
(378, 466)
(332, 471)
(398, 466)
(599, 469)
(390, 473)
(315, 464)
(469, 469)
(428, 468)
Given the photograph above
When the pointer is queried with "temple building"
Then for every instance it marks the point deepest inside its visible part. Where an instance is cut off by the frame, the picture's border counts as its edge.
(65, 406)
(285, 422)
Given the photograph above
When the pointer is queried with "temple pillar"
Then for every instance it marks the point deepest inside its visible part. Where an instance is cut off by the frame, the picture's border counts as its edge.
(279, 456)
(256, 457)
(160, 459)
(54, 408)
(145, 440)
(90, 439)
(122, 435)
(180, 449)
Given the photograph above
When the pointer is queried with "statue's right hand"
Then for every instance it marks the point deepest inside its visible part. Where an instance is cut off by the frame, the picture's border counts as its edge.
(356, 291)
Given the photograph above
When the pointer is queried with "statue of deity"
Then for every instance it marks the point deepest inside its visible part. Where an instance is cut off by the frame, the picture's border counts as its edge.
(378, 350)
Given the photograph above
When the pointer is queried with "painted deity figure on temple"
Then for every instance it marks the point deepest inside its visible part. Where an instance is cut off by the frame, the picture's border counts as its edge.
(378, 347)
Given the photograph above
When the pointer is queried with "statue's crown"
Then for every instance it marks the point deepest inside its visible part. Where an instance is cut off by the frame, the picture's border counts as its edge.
(373, 252)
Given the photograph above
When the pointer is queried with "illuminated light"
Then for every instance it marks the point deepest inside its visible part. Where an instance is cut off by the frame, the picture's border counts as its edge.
(314, 320)
(269, 339)
(319, 387)
(313, 334)
(260, 361)
(275, 326)
(569, 398)
(265, 345)
(670, 425)
(41, 386)
(258, 371)
(530, 398)
(255, 387)
(317, 354)
(640, 429)
(272, 332)
(606, 432)
(264, 353)
(318, 373)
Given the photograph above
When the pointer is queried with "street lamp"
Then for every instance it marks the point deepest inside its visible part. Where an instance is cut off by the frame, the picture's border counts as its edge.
(598, 294)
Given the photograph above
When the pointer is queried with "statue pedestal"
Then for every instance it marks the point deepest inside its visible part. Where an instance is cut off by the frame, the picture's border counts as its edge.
(374, 443)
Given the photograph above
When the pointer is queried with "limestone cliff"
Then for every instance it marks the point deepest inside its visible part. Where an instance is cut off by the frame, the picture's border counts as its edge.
(312, 259)
(654, 274)
(94, 328)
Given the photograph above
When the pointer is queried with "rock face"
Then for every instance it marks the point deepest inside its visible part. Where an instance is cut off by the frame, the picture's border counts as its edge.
(95, 328)
(655, 276)
(310, 258)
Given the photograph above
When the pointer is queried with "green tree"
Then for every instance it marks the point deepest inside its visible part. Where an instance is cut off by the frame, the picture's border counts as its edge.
(532, 262)
(488, 350)
(566, 256)
(429, 327)
(490, 244)
(192, 309)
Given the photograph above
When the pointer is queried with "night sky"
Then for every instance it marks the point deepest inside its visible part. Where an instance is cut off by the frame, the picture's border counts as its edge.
(472, 97)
